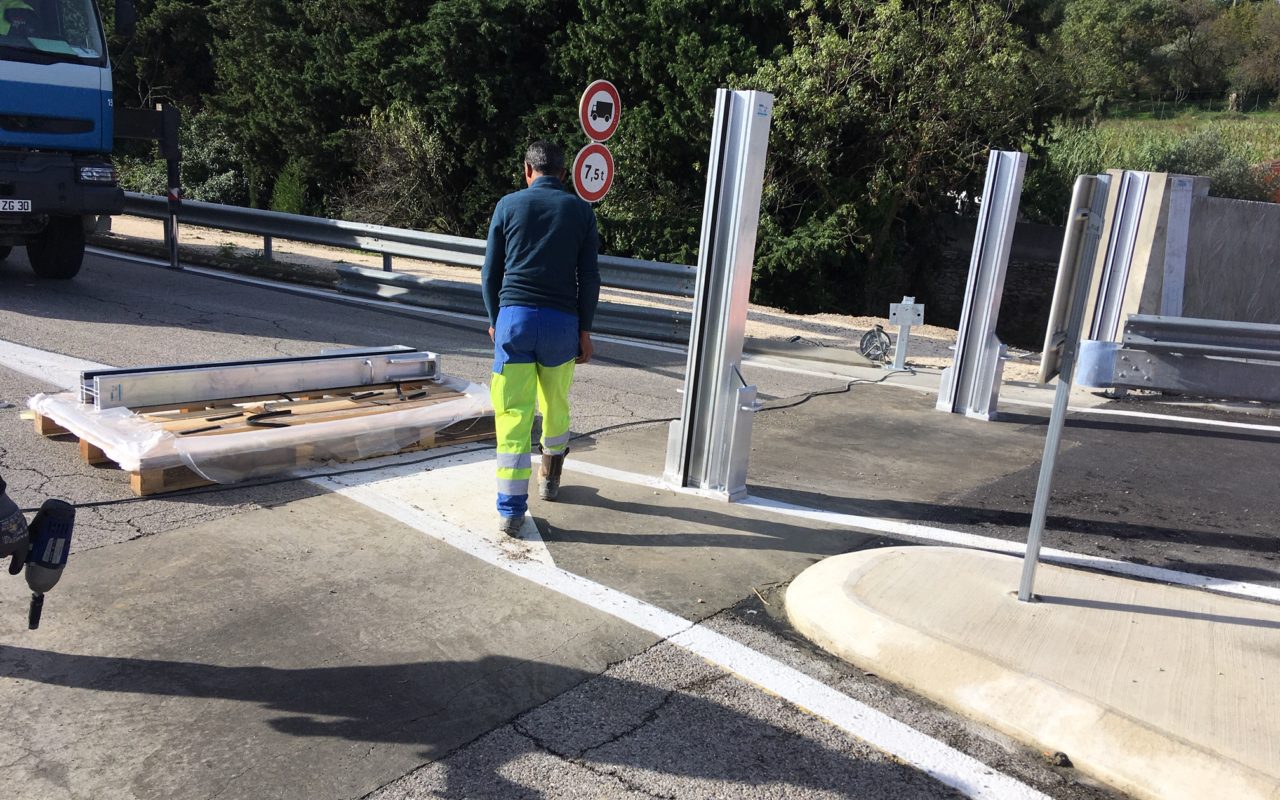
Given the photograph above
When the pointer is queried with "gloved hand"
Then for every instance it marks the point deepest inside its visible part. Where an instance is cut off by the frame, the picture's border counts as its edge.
(15, 541)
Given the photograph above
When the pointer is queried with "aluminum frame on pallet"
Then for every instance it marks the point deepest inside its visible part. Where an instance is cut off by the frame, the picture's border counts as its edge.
(177, 383)
(709, 446)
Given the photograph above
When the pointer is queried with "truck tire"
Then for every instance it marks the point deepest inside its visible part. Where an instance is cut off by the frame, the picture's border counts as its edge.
(4, 251)
(58, 252)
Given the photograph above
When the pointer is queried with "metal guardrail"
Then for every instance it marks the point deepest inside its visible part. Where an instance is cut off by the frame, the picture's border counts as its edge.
(655, 277)
(1199, 357)
(1209, 337)
(643, 322)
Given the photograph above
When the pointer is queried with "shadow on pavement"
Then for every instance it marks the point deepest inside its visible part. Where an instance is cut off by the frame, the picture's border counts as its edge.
(1132, 608)
(420, 703)
(720, 529)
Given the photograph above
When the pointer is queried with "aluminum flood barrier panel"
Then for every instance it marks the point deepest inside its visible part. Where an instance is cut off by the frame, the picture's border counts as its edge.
(971, 385)
(154, 386)
(709, 446)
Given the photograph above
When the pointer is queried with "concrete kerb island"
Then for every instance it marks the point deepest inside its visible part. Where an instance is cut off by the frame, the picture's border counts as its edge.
(1160, 691)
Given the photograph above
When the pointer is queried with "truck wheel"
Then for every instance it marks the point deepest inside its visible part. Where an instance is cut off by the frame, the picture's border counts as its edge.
(57, 253)
(4, 251)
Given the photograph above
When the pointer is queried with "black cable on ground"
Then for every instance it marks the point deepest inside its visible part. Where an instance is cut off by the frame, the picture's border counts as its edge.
(179, 495)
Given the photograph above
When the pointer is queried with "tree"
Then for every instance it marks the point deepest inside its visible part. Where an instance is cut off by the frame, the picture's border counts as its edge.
(667, 58)
(885, 110)
(455, 114)
(1109, 46)
(283, 91)
(1256, 26)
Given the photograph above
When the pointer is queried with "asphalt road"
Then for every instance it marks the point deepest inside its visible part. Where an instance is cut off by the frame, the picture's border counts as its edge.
(607, 711)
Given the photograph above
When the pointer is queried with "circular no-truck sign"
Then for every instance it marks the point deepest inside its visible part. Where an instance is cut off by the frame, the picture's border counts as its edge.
(599, 110)
(593, 172)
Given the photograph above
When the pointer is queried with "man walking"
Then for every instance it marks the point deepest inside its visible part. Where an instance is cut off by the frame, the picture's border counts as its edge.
(541, 284)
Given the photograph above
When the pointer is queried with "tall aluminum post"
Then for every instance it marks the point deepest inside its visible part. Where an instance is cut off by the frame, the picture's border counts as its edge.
(971, 385)
(709, 446)
(1079, 251)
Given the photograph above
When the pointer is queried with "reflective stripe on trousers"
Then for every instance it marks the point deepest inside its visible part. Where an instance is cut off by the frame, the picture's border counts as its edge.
(524, 337)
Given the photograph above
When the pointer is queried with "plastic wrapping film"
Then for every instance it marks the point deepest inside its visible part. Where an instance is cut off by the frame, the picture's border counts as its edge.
(135, 443)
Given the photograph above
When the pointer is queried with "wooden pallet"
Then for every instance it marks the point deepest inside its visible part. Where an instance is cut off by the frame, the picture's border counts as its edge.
(238, 415)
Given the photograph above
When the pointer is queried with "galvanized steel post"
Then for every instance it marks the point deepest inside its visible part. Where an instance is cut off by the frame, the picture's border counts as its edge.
(709, 446)
(1079, 250)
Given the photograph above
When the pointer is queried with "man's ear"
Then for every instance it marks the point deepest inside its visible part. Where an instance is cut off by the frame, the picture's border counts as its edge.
(528, 171)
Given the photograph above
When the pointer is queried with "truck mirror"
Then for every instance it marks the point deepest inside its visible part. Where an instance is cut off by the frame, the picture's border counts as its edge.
(126, 18)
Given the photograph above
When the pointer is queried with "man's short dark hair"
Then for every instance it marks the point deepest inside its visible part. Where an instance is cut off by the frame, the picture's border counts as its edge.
(545, 157)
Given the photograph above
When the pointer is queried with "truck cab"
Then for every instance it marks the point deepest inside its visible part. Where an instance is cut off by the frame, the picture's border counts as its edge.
(56, 118)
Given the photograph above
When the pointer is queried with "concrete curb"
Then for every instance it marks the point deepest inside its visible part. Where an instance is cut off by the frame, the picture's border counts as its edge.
(829, 604)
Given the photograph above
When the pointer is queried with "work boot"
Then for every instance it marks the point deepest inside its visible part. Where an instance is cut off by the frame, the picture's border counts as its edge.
(510, 526)
(549, 469)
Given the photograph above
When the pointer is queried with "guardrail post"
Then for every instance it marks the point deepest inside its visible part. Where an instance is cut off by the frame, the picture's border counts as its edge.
(266, 247)
(386, 262)
(1079, 251)
(709, 446)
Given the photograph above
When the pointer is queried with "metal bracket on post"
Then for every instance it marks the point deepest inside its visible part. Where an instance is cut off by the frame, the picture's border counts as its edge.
(904, 315)
(971, 385)
(708, 448)
(1075, 272)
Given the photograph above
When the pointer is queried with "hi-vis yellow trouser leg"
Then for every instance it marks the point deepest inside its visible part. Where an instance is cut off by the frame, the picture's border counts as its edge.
(534, 356)
(513, 391)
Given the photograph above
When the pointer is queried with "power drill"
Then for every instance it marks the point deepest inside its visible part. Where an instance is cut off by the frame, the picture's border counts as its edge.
(42, 546)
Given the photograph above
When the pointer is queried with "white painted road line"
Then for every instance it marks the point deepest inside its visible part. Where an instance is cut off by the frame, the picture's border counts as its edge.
(945, 764)
(1120, 412)
(930, 533)
(56, 369)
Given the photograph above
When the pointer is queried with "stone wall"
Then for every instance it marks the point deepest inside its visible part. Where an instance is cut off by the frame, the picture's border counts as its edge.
(1028, 283)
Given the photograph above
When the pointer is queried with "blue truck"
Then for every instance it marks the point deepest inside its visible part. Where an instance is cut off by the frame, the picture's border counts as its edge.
(56, 129)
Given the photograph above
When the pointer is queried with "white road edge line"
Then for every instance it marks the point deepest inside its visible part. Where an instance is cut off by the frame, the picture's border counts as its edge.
(756, 360)
(54, 368)
(945, 764)
(942, 762)
(929, 533)
(1120, 412)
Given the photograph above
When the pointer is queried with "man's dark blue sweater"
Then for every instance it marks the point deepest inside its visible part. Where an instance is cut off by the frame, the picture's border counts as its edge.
(542, 253)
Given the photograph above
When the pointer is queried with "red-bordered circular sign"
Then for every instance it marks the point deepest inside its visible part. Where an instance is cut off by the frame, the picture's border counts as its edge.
(599, 110)
(593, 172)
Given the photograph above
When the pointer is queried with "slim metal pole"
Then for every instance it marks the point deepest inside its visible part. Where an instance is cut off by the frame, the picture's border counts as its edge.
(900, 349)
(266, 247)
(1082, 250)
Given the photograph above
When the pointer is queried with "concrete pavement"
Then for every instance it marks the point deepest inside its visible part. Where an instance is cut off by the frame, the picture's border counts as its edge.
(288, 693)
(1161, 691)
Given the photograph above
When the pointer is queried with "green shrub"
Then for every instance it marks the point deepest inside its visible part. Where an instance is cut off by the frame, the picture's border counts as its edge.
(290, 192)
(1229, 149)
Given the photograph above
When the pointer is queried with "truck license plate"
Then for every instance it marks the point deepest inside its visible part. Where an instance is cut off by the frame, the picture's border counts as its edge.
(14, 206)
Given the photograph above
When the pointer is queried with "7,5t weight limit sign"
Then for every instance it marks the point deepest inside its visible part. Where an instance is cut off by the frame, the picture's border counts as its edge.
(593, 172)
